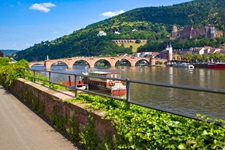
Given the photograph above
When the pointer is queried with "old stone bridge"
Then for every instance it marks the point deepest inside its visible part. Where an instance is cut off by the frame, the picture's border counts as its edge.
(91, 61)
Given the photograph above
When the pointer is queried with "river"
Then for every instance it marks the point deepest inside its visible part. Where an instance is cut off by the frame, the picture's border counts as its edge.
(183, 101)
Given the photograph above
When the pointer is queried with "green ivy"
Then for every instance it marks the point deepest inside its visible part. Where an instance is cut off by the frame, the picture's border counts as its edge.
(73, 129)
(26, 97)
(143, 128)
(38, 106)
(59, 121)
(89, 136)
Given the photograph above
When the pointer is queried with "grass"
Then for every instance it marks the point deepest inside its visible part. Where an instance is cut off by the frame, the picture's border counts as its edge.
(134, 46)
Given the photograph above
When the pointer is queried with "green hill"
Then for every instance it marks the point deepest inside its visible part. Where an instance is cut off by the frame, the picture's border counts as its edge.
(151, 23)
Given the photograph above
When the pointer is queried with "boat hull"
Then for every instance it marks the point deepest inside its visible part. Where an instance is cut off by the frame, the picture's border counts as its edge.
(71, 85)
(216, 66)
(118, 90)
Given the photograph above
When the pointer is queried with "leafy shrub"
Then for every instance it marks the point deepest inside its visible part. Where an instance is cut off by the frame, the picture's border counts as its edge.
(143, 128)
(10, 72)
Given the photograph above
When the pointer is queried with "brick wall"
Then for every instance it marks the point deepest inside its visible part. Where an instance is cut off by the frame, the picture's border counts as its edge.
(28, 91)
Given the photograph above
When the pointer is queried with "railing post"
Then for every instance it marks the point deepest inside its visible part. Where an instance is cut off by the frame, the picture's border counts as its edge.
(75, 84)
(69, 78)
(49, 79)
(34, 76)
(128, 93)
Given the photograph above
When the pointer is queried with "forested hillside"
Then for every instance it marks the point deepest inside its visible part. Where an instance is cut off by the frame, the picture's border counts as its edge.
(151, 23)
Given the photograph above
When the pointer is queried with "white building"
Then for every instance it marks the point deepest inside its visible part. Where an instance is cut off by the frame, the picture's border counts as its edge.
(116, 32)
(203, 50)
(101, 33)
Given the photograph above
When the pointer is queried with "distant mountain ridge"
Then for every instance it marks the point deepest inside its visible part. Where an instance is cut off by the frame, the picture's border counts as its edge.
(9, 52)
(154, 24)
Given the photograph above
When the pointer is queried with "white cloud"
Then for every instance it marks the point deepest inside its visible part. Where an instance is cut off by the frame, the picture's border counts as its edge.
(43, 7)
(111, 13)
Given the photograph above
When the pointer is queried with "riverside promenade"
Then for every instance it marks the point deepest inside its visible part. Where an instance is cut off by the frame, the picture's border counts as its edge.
(22, 129)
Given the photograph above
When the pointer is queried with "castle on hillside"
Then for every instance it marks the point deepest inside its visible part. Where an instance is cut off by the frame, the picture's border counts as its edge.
(191, 32)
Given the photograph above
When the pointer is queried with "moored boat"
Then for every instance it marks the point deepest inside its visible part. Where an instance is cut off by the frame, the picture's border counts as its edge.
(116, 87)
(184, 65)
(218, 65)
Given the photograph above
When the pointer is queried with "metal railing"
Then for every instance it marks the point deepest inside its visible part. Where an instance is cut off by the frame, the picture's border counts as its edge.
(128, 91)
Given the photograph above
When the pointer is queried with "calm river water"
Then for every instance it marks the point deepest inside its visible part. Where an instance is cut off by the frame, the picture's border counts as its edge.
(183, 101)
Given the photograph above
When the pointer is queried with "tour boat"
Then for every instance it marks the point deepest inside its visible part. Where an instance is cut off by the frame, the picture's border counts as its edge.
(184, 65)
(218, 65)
(116, 87)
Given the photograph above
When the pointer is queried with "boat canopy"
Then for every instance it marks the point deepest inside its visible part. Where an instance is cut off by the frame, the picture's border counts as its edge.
(104, 73)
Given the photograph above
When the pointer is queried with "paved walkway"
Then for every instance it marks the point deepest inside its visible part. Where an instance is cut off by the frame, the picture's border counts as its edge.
(21, 129)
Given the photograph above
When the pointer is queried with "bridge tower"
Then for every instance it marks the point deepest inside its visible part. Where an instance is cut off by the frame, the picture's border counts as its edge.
(169, 49)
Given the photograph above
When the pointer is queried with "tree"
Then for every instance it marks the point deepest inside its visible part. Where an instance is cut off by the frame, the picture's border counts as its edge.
(205, 57)
(1, 54)
(187, 57)
(4, 61)
(215, 57)
(138, 41)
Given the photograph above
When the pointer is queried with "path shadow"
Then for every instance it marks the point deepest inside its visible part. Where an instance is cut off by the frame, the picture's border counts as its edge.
(5, 91)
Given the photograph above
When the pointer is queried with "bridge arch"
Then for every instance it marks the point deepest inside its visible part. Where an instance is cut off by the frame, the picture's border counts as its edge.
(81, 61)
(59, 63)
(102, 62)
(122, 62)
(36, 63)
(134, 60)
(142, 62)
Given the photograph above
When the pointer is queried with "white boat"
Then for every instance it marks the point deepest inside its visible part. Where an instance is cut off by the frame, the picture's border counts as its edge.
(116, 87)
(184, 65)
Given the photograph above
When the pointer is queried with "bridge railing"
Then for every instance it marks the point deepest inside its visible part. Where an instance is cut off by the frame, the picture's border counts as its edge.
(128, 82)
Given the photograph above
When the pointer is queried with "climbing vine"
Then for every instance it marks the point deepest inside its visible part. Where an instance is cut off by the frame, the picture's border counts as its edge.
(143, 128)
(89, 136)
(58, 120)
(38, 106)
(73, 129)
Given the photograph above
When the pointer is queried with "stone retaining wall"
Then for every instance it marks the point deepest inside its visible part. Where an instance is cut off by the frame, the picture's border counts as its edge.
(53, 100)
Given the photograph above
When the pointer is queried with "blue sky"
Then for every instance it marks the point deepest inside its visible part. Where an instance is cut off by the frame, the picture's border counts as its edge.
(24, 23)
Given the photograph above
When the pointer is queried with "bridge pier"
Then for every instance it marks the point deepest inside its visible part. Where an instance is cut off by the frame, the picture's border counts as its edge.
(47, 64)
(69, 64)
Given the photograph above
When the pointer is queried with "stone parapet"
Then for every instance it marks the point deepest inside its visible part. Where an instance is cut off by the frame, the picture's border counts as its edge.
(53, 100)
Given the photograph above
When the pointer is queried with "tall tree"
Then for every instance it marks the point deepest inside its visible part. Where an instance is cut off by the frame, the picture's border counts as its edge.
(1, 54)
